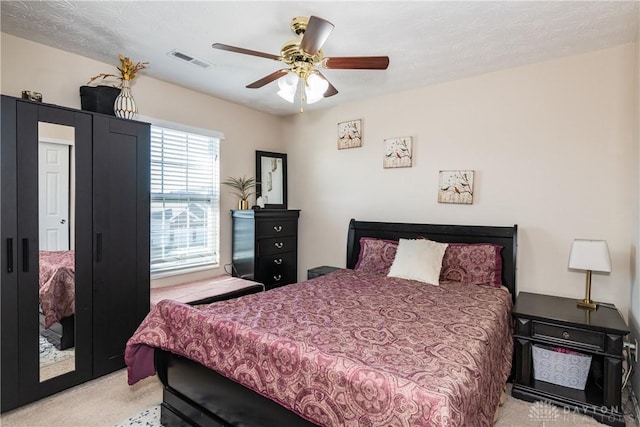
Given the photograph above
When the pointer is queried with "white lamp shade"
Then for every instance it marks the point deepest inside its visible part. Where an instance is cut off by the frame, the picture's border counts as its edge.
(590, 255)
(287, 95)
(288, 81)
(288, 85)
(315, 88)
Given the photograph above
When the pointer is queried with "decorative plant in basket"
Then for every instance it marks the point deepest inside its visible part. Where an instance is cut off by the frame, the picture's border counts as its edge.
(123, 105)
(244, 187)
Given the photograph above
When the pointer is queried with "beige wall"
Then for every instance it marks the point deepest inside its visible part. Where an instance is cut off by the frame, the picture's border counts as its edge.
(552, 146)
(58, 75)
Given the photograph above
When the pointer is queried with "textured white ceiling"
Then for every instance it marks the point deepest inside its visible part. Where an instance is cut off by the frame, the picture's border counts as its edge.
(427, 42)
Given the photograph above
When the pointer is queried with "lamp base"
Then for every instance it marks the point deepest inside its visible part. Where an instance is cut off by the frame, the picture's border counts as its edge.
(587, 303)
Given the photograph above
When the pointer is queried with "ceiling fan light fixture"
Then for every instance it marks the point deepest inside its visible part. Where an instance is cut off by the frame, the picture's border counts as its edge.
(287, 95)
(315, 88)
(288, 81)
(288, 85)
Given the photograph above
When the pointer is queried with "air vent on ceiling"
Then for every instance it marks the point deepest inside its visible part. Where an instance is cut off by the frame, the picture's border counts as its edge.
(188, 58)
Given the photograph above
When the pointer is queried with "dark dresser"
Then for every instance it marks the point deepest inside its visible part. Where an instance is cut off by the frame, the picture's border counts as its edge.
(264, 246)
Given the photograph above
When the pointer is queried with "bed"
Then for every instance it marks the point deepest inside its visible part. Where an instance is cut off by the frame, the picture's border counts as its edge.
(353, 347)
(57, 297)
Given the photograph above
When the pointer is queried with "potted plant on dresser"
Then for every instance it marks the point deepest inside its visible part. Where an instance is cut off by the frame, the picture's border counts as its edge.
(244, 187)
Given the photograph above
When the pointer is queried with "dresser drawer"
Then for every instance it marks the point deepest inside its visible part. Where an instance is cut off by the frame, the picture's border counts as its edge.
(276, 245)
(275, 228)
(277, 268)
(580, 337)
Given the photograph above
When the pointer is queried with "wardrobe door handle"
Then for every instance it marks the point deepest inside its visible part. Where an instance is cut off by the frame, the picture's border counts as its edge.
(25, 255)
(277, 228)
(279, 245)
(9, 255)
(98, 247)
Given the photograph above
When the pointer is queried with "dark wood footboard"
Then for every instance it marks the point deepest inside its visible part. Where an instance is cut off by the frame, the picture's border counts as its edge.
(194, 395)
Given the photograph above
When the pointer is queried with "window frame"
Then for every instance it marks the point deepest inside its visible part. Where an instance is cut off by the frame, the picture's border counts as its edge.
(178, 270)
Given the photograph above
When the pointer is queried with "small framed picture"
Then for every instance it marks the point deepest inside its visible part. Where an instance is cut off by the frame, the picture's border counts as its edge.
(398, 152)
(350, 134)
(456, 186)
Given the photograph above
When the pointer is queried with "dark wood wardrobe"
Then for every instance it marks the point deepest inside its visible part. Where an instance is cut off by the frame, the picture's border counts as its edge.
(101, 199)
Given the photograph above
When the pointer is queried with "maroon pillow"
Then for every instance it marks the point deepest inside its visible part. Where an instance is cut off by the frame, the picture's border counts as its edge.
(472, 264)
(376, 255)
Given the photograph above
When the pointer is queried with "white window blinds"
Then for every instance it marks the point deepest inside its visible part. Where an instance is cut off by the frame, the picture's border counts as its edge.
(185, 192)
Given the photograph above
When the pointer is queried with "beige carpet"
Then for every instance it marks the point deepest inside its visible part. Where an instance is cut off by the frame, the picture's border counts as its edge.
(108, 401)
(103, 402)
(518, 413)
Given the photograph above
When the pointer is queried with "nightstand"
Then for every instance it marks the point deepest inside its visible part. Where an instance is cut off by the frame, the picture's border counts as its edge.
(558, 322)
(312, 273)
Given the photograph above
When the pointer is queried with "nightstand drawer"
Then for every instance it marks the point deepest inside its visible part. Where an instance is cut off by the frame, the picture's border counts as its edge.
(575, 336)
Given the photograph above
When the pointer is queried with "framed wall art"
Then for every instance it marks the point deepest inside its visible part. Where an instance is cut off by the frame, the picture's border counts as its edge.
(350, 134)
(398, 152)
(456, 186)
(271, 173)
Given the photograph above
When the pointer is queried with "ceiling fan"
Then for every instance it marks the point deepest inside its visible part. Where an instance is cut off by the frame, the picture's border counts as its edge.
(302, 55)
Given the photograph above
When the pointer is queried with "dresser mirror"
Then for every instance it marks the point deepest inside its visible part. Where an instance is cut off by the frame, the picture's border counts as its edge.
(56, 244)
(271, 174)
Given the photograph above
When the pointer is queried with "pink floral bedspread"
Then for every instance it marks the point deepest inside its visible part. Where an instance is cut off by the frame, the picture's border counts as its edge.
(57, 285)
(350, 348)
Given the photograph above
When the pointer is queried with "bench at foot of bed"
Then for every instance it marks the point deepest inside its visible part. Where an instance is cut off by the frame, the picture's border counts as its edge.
(206, 291)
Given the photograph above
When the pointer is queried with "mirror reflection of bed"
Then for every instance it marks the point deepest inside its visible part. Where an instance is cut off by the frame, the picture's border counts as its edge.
(56, 293)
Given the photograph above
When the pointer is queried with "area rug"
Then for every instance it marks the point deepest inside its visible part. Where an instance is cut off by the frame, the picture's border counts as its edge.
(50, 354)
(149, 417)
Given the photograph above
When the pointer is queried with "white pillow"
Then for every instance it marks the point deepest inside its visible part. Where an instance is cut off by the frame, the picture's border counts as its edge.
(418, 259)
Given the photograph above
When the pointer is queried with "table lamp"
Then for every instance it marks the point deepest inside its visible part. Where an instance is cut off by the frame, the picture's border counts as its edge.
(589, 255)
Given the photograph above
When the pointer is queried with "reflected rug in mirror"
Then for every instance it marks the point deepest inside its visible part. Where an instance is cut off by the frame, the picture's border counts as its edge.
(50, 354)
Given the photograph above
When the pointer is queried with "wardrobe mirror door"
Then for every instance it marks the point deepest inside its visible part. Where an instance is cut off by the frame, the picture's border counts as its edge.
(56, 236)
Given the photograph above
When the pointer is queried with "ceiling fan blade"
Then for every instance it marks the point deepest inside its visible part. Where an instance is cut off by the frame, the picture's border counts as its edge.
(357, 63)
(331, 90)
(268, 79)
(315, 35)
(244, 51)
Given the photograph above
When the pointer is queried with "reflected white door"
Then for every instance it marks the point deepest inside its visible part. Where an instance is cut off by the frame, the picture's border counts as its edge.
(53, 181)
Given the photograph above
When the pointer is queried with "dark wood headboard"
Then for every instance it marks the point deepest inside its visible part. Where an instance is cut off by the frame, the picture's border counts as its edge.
(503, 236)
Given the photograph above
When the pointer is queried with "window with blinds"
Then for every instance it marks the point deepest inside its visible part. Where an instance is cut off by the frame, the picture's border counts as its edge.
(185, 194)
